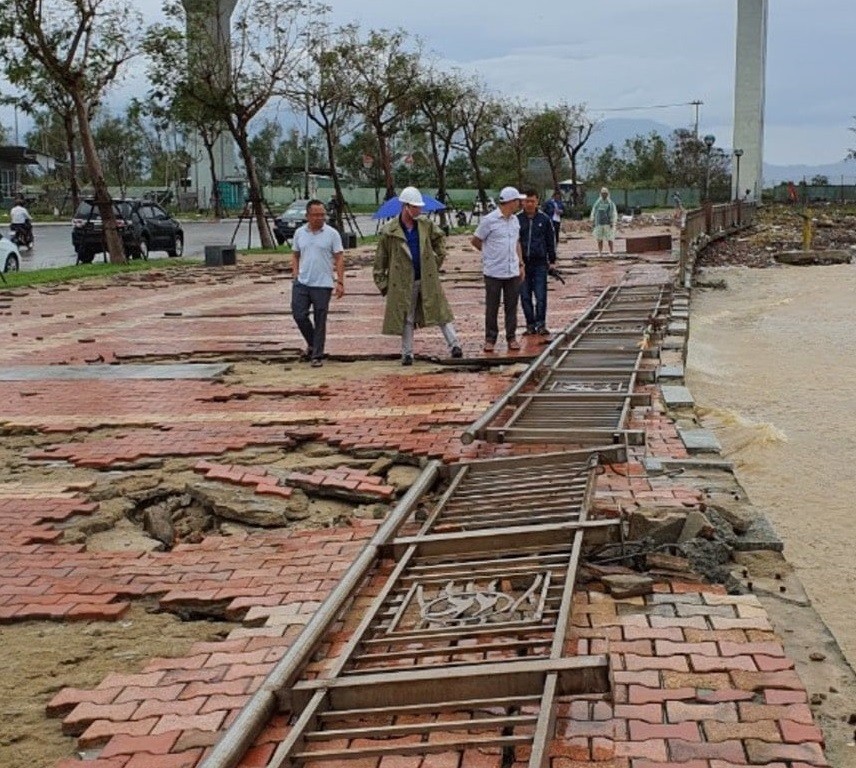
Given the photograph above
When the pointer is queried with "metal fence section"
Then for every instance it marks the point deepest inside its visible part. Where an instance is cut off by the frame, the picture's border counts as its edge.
(584, 383)
(464, 646)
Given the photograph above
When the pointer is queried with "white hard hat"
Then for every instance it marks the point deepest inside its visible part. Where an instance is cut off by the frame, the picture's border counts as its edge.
(411, 196)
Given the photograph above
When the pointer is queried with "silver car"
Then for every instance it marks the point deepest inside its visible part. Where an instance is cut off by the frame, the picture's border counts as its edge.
(10, 257)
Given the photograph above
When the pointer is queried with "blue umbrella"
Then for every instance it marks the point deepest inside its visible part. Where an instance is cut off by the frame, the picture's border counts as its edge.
(392, 207)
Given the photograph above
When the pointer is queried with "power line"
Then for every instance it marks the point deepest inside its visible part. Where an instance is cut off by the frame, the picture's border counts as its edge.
(652, 106)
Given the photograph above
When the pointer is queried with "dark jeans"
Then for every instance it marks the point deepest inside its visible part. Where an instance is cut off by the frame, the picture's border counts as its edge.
(304, 297)
(506, 289)
(534, 284)
(557, 227)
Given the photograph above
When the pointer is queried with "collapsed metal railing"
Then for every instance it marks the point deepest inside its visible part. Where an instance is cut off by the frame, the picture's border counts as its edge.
(464, 644)
(585, 381)
(456, 614)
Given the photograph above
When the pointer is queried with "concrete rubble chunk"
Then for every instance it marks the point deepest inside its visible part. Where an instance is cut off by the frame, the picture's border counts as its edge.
(622, 586)
(696, 524)
(802, 258)
(663, 525)
(239, 506)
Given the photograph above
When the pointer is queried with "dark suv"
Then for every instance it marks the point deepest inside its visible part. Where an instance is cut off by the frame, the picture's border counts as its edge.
(294, 217)
(143, 225)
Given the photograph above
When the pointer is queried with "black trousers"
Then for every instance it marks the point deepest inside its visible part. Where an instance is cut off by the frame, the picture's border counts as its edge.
(507, 290)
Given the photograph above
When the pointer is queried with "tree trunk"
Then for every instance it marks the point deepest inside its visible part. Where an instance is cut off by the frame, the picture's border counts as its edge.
(256, 199)
(440, 169)
(337, 186)
(219, 211)
(575, 190)
(103, 200)
(385, 163)
(74, 188)
(474, 161)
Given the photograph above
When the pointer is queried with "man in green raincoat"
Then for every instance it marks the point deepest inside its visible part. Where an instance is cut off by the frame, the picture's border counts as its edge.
(604, 216)
(410, 252)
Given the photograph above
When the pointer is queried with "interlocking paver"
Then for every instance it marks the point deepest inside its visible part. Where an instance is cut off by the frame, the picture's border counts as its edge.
(273, 581)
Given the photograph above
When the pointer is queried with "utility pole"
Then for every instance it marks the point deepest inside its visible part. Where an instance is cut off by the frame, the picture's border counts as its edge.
(696, 104)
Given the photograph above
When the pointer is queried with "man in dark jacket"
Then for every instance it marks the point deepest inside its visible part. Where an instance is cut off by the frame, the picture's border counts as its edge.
(554, 208)
(538, 243)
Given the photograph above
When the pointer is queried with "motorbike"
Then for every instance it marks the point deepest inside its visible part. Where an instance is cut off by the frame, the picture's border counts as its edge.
(22, 235)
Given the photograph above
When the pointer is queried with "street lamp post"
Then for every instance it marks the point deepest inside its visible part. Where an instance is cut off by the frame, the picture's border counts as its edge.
(709, 141)
(306, 151)
(738, 153)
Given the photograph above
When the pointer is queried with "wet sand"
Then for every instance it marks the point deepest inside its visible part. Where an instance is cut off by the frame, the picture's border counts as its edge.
(772, 368)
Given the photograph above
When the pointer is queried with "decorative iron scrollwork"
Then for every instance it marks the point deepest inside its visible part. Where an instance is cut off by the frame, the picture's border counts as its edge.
(464, 605)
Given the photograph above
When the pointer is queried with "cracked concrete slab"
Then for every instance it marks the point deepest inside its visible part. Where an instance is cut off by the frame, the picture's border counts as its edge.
(109, 372)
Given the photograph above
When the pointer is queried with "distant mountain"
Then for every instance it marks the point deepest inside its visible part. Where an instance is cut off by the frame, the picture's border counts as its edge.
(619, 129)
(776, 174)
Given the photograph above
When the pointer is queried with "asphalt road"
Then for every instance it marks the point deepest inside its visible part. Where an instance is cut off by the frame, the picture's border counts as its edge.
(53, 241)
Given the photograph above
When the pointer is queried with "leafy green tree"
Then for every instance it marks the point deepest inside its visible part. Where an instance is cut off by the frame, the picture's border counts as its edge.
(120, 149)
(55, 134)
(514, 123)
(440, 121)
(546, 132)
(479, 113)
(324, 97)
(606, 166)
(379, 73)
(231, 84)
(263, 147)
(80, 47)
(578, 130)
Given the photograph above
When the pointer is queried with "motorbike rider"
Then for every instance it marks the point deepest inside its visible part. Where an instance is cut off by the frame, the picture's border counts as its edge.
(21, 223)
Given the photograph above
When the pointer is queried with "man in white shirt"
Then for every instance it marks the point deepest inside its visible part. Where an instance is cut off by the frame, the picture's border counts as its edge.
(318, 268)
(498, 238)
(19, 214)
(21, 223)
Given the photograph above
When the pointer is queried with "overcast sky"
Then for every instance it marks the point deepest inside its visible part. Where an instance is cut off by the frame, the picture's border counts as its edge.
(619, 55)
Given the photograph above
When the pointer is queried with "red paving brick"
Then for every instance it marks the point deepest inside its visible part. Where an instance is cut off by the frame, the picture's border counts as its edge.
(705, 686)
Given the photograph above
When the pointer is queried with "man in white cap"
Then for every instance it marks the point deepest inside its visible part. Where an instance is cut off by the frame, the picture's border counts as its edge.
(410, 251)
(498, 238)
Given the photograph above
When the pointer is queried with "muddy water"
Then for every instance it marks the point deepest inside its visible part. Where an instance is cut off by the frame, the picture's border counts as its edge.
(772, 366)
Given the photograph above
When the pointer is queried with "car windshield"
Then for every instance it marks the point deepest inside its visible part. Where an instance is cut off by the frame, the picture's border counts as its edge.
(88, 210)
(296, 209)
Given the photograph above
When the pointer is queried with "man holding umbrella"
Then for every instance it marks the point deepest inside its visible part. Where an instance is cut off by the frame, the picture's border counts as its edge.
(410, 252)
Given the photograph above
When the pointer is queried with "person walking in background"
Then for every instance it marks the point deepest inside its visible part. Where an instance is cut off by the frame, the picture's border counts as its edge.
(318, 268)
(497, 237)
(538, 245)
(554, 208)
(407, 262)
(604, 216)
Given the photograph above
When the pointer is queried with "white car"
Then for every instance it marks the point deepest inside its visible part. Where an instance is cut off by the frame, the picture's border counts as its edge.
(10, 258)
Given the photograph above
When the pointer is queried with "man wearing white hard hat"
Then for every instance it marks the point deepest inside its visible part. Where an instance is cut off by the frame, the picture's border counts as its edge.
(498, 238)
(407, 262)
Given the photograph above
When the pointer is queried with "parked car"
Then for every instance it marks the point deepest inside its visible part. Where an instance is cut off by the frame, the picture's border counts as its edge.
(143, 225)
(10, 257)
(288, 222)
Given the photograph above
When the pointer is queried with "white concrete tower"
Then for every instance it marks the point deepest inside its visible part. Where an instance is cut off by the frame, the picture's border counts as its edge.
(213, 17)
(750, 76)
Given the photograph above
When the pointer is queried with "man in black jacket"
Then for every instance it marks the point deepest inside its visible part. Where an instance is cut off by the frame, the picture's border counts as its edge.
(538, 242)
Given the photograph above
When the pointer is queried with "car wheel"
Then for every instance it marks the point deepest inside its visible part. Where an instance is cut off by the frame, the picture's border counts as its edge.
(11, 264)
(177, 249)
(144, 249)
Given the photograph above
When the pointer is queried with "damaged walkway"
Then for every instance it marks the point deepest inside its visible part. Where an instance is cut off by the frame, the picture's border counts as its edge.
(697, 677)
